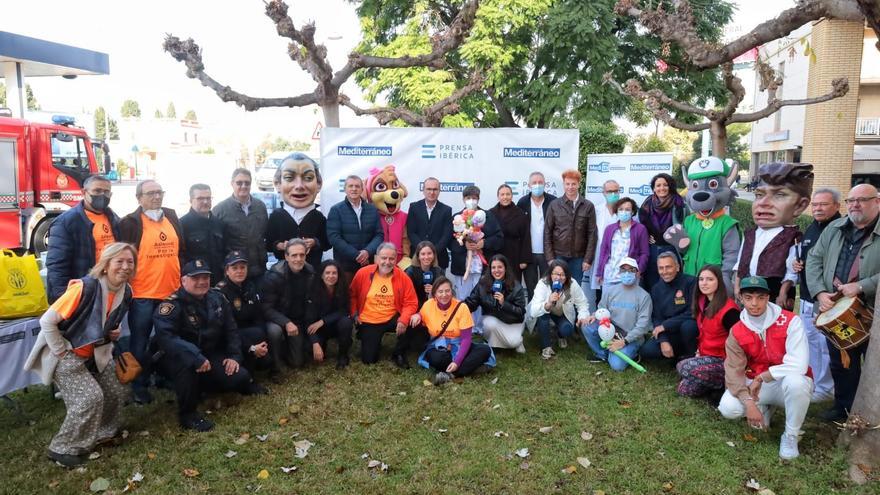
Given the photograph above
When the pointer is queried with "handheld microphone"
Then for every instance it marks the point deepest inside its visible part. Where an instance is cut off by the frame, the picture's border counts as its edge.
(497, 286)
(428, 277)
(557, 286)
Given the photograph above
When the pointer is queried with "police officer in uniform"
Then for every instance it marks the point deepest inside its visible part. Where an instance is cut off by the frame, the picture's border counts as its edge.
(199, 344)
(244, 297)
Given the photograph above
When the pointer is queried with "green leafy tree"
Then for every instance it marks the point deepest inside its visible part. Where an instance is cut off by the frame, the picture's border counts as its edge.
(158, 114)
(32, 103)
(130, 108)
(171, 112)
(647, 143)
(191, 115)
(270, 145)
(737, 146)
(597, 137)
(101, 123)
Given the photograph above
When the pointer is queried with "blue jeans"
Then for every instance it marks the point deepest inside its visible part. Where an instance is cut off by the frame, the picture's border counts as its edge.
(591, 334)
(140, 323)
(563, 327)
(575, 266)
(589, 292)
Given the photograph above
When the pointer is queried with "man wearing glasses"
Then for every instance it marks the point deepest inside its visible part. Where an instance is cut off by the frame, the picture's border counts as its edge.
(203, 232)
(155, 232)
(77, 236)
(846, 261)
(430, 220)
(245, 221)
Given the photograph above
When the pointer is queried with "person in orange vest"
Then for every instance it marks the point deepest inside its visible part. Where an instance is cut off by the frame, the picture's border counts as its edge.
(767, 366)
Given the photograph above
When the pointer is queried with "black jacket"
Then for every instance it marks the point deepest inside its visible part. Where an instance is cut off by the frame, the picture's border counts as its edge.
(203, 238)
(190, 331)
(245, 232)
(810, 237)
(512, 311)
(673, 302)
(525, 205)
(493, 241)
(438, 229)
(282, 227)
(416, 275)
(323, 306)
(285, 294)
(244, 300)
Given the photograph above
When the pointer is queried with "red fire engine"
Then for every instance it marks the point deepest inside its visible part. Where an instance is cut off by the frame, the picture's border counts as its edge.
(42, 167)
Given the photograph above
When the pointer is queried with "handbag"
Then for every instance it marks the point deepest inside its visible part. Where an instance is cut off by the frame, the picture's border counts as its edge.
(127, 368)
(22, 292)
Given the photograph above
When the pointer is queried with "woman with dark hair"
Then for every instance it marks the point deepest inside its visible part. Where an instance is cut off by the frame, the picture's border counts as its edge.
(716, 314)
(559, 301)
(658, 212)
(424, 270)
(503, 301)
(74, 350)
(516, 228)
(451, 350)
(327, 313)
(298, 180)
(623, 238)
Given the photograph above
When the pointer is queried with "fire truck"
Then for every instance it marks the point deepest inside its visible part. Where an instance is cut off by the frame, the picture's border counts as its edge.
(42, 168)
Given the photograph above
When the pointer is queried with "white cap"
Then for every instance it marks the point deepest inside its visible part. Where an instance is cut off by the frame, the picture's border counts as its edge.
(629, 261)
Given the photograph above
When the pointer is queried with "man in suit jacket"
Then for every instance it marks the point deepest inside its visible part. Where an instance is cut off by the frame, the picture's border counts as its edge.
(430, 220)
(353, 228)
(535, 206)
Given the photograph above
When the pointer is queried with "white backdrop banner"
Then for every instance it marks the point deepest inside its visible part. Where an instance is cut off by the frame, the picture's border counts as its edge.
(486, 158)
(633, 171)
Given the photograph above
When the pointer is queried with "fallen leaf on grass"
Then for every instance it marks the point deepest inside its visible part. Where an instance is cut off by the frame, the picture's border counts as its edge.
(99, 485)
(523, 453)
(748, 437)
(765, 491)
(570, 470)
(587, 436)
(753, 484)
(263, 438)
(54, 483)
(263, 474)
(598, 492)
(144, 433)
(293, 409)
(242, 439)
(731, 444)
(545, 429)
(81, 469)
(496, 406)
(288, 469)
(191, 473)
(366, 422)
(401, 394)
(524, 465)
(598, 373)
(374, 464)
(137, 477)
(302, 448)
(625, 404)
(442, 430)
(125, 434)
(427, 383)
(151, 455)
(230, 454)
(494, 381)
(426, 418)
(340, 469)
(365, 455)
(94, 455)
(583, 461)
(283, 421)
(499, 434)
(668, 486)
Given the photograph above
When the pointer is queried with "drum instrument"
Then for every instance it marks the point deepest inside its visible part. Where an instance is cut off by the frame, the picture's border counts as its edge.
(847, 324)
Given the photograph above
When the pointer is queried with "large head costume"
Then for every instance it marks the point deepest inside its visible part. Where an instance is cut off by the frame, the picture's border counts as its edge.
(298, 180)
(709, 235)
(384, 190)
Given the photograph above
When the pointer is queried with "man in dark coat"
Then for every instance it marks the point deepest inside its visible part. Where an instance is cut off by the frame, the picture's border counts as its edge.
(285, 289)
(430, 220)
(353, 228)
(78, 235)
(675, 329)
(535, 205)
(203, 232)
(245, 221)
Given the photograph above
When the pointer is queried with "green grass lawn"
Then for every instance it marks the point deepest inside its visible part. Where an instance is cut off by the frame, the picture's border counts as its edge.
(645, 439)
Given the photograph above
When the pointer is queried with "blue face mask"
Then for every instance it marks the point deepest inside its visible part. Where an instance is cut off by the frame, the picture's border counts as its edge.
(612, 198)
(627, 278)
(537, 190)
(624, 215)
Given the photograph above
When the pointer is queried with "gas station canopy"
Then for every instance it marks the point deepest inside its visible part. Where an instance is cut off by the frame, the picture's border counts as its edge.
(45, 58)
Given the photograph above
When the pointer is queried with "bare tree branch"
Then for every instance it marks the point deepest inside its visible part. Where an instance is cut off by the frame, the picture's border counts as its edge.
(839, 88)
(736, 89)
(302, 49)
(432, 116)
(442, 43)
(190, 54)
(871, 10)
(678, 27)
(656, 101)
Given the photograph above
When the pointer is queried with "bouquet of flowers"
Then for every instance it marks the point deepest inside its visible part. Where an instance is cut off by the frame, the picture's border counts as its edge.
(468, 226)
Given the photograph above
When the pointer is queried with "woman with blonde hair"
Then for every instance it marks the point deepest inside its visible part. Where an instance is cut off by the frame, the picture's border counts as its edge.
(75, 351)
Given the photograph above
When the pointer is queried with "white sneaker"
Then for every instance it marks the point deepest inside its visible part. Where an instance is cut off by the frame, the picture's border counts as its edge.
(521, 349)
(788, 447)
(563, 343)
(547, 353)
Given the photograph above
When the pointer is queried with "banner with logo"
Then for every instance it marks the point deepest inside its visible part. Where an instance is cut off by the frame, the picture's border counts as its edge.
(633, 171)
(486, 158)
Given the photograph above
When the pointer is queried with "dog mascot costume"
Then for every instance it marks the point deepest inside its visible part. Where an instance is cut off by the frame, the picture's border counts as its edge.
(709, 235)
(384, 190)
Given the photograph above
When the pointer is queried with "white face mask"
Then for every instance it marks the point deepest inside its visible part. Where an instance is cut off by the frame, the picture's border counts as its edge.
(154, 215)
(470, 204)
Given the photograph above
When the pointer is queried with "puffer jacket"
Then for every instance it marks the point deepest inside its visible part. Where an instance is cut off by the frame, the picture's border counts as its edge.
(570, 231)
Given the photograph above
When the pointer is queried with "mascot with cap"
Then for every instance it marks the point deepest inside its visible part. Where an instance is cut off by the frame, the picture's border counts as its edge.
(384, 190)
(709, 235)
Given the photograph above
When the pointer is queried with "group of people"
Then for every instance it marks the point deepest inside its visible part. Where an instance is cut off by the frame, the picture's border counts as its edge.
(205, 313)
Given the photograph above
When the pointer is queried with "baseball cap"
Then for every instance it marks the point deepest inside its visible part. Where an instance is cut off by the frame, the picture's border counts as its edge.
(234, 257)
(630, 262)
(709, 166)
(195, 267)
(755, 284)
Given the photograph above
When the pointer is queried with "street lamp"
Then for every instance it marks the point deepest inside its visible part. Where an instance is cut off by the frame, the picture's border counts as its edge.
(134, 149)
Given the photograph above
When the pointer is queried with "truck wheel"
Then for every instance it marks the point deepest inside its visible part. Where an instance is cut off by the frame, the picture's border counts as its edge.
(40, 241)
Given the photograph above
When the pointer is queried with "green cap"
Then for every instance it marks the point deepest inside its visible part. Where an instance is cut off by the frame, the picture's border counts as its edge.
(709, 166)
(754, 284)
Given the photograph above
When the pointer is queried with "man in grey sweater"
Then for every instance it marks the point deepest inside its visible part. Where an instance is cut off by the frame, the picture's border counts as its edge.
(630, 307)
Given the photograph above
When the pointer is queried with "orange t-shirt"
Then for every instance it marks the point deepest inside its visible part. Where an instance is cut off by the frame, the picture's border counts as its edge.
(101, 231)
(433, 318)
(379, 305)
(158, 267)
(67, 304)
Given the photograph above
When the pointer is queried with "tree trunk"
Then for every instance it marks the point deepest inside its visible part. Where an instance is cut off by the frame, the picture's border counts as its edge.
(331, 114)
(718, 131)
(864, 453)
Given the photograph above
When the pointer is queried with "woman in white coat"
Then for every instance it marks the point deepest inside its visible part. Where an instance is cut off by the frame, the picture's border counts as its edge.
(559, 301)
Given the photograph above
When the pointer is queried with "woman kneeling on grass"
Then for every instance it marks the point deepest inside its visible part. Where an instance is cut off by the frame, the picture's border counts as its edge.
(716, 314)
(560, 301)
(451, 351)
(75, 351)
